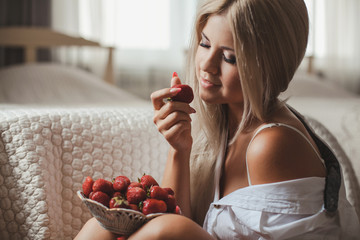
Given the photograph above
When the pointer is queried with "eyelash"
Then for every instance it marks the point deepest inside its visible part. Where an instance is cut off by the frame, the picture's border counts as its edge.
(204, 45)
(228, 60)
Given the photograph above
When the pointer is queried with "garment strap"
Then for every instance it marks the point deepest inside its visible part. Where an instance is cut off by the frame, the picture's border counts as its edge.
(270, 125)
(333, 171)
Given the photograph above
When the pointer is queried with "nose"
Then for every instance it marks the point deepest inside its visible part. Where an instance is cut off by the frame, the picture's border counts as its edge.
(210, 63)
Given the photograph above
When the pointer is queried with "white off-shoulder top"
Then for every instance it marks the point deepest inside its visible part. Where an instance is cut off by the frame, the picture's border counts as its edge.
(291, 209)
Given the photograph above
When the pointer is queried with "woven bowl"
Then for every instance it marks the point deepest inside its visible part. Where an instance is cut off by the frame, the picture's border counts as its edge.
(117, 220)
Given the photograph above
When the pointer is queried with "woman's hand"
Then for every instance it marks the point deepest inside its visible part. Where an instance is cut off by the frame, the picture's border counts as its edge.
(172, 118)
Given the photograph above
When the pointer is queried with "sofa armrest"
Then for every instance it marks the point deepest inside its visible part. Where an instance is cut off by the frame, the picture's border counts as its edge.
(45, 154)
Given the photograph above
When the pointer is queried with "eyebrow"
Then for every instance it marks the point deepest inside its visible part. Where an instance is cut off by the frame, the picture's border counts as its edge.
(222, 47)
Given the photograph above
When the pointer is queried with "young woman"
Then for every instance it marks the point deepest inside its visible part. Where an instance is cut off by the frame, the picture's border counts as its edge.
(241, 163)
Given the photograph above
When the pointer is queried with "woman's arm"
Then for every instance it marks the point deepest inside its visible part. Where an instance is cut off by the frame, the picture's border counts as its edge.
(177, 176)
(174, 123)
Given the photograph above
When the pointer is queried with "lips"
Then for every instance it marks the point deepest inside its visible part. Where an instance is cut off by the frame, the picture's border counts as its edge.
(205, 83)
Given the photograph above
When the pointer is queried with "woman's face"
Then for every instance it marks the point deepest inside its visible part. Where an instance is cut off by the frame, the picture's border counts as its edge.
(216, 69)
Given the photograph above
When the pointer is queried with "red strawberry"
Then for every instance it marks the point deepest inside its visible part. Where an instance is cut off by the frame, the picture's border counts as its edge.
(121, 183)
(134, 184)
(177, 210)
(133, 207)
(90, 195)
(153, 206)
(103, 186)
(135, 195)
(170, 203)
(101, 197)
(170, 191)
(147, 181)
(118, 194)
(118, 202)
(87, 186)
(158, 193)
(186, 94)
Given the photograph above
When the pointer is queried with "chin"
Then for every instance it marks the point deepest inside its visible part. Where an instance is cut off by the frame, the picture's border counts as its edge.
(208, 99)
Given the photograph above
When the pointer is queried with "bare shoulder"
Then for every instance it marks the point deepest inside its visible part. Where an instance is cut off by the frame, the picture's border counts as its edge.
(279, 154)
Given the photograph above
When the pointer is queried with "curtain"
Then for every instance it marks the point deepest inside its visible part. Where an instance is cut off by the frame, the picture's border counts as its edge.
(333, 40)
(23, 13)
(150, 37)
(336, 37)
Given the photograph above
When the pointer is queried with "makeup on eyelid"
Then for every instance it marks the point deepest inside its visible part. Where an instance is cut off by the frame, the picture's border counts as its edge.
(205, 43)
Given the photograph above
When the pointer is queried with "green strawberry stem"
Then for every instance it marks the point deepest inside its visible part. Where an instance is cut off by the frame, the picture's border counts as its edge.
(141, 205)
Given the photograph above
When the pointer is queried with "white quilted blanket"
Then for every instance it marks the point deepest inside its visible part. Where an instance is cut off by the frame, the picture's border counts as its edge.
(45, 154)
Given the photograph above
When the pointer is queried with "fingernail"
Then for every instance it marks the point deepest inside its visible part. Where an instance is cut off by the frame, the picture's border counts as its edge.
(175, 90)
(175, 74)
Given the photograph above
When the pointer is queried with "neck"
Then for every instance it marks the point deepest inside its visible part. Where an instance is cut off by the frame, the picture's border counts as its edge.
(235, 115)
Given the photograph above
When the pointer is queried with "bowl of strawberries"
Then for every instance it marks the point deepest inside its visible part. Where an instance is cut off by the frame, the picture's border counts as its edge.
(122, 206)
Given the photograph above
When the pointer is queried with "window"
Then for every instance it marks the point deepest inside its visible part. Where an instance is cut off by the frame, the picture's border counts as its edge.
(140, 24)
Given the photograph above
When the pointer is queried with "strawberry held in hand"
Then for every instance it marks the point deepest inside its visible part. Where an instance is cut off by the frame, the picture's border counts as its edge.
(185, 95)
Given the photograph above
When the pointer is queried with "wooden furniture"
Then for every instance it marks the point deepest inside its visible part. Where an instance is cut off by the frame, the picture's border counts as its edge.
(32, 38)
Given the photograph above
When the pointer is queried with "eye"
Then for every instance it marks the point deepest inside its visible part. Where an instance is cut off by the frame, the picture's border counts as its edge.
(231, 60)
(204, 45)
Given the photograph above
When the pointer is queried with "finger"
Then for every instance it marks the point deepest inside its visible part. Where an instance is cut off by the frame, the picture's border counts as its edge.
(175, 79)
(172, 119)
(170, 108)
(177, 130)
(175, 106)
(169, 112)
(157, 98)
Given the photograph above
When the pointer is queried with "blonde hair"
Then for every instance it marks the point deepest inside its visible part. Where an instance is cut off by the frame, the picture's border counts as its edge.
(270, 39)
